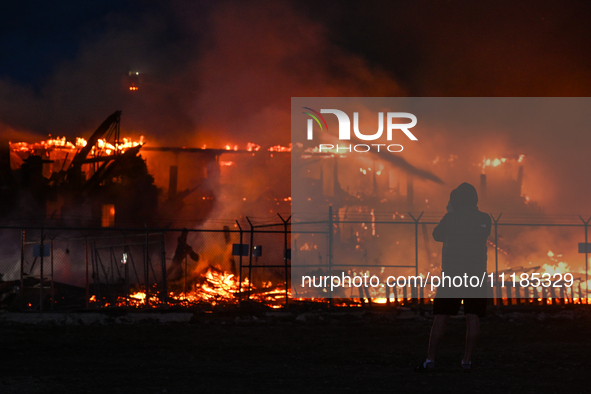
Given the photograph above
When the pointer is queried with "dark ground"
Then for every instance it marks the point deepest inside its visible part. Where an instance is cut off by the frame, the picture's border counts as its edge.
(233, 352)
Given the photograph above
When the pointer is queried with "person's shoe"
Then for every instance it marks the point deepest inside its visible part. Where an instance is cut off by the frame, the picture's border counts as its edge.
(467, 366)
(425, 367)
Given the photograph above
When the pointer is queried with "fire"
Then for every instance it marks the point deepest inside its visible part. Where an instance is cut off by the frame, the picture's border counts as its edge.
(61, 143)
(214, 287)
(252, 147)
(561, 268)
(306, 246)
(492, 162)
(51, 143)
(137, 299)
(495, 162)
(120, 147)
(80, 142)
(279, 148)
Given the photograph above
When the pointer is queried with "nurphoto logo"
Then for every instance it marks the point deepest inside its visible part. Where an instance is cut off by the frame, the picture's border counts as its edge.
(345, 130)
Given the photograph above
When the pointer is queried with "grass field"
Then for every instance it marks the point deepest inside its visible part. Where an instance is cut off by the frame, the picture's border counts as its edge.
(315, 352)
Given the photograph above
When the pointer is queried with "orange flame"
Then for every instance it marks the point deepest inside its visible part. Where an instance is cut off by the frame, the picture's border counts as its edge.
(61, 143)
(279, 148)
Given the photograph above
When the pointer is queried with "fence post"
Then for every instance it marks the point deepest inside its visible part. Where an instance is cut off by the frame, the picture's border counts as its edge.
(164, 297)
(586, 223)
(285, 256)
(240, 265)
(416, 220)
(87, 285)
(126, 268)
(52, 282)
(330, 256)
(42, 252)
(147, 270)
(185, 276)
(22, 291)
(498, 291)
(250, 256)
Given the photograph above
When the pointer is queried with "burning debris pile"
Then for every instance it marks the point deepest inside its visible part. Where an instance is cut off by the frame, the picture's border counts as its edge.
(133, 271)
(213, 288)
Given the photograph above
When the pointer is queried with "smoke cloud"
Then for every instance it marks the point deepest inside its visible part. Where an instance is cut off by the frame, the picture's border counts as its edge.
(224, 73)
(228, 74)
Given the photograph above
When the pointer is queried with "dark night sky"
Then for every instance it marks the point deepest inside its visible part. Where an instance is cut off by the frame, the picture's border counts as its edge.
(36, 36)
(484, 48)
(442, 48)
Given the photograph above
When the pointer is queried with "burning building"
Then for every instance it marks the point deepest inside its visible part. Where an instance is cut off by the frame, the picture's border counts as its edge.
(99, 181)
(105, 182)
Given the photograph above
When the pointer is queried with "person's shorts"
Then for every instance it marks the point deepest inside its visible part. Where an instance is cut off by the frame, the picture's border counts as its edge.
(451, 306)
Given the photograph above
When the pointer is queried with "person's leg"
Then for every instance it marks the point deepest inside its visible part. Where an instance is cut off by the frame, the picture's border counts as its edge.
(472, 332)
(437, 330)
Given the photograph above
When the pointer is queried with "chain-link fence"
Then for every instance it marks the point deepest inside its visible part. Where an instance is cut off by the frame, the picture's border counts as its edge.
(60, 268)
(539, 261)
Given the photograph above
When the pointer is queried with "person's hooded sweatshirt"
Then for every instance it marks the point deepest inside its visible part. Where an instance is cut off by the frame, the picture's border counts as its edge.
(464, 232)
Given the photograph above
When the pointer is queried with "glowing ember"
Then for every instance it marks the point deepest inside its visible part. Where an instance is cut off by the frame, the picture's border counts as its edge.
(316, 149)
(279, 148)
(495, 162)
(252, 147)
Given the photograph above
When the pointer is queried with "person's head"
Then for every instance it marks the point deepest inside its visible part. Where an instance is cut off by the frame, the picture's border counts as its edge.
(463, 196)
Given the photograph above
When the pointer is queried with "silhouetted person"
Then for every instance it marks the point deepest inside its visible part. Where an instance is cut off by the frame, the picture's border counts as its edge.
(463, 231)
(175, 271)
